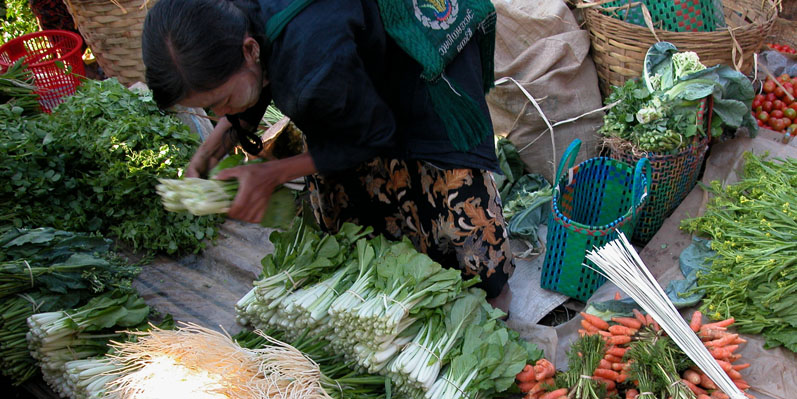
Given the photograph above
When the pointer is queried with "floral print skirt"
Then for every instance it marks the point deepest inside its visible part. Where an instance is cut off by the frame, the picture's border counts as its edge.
(452, 215)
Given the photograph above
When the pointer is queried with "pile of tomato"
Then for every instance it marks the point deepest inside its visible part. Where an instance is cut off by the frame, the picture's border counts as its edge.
(783, 48)
(774, 108)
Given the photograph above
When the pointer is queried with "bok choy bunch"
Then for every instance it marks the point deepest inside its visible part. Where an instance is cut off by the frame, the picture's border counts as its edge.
(200, 197)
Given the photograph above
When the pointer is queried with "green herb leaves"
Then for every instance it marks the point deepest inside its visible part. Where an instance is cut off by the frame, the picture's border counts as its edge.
(92, 164)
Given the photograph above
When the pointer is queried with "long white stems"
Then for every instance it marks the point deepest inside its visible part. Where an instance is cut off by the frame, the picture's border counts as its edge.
(620, 263)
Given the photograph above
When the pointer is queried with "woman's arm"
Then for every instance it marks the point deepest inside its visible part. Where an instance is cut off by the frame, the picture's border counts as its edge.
(218, 144)
(257, 182)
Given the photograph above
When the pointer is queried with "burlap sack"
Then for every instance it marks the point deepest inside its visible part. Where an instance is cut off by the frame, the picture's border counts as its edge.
(540, 46)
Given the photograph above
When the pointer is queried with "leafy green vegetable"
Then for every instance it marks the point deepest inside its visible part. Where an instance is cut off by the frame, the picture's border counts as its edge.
(210, 196)
(90, 167)
(583, 358)
(18, 90)
(47, 270)
(657, 365)
(753, 275)
(659, 111)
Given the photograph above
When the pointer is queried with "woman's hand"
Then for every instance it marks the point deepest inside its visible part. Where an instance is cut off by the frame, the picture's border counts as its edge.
(213, 149)
(257, 182)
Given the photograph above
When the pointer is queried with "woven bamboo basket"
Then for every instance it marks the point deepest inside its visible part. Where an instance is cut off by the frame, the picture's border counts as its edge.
(619, 48)
(112, 29)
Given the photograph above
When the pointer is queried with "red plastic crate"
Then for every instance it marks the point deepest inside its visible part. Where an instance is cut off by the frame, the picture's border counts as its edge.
(42, 52)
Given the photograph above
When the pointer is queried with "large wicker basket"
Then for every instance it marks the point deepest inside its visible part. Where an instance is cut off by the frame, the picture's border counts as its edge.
(619, 47)
(112, 29)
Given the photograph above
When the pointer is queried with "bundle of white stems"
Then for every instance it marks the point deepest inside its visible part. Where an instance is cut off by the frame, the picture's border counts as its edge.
(620, 263)
(197, 362)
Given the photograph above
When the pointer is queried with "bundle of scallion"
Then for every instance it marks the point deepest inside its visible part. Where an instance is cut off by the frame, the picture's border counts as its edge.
(338, 377)
(486, 363)
(87, 378)
(196, 362)
(387, 309)
(303, 261)
(56, 338)
(46, 270)
(211, 196)
(416, 368)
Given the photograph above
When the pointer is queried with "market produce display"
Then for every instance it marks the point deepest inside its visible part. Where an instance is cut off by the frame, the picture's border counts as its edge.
(47, 270)
(753, 275)
(783, 48)
(18, 91)
(659, 112)
(90, 167)
(626, 356)
(776, 107)
(388, 309)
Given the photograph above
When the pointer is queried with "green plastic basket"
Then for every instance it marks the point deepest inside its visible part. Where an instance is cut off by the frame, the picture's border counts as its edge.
(591, 203)
(673, 178)
(673, 15)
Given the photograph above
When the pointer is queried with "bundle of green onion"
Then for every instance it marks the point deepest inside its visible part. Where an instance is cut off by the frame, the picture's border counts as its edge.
(386, 309)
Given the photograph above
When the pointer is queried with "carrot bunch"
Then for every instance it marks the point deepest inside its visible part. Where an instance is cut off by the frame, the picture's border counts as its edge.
(721, 344)
(535, 380)
(622, 331)
(612, 369)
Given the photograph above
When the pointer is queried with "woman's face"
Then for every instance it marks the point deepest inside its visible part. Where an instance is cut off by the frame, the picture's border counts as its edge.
(240, 92)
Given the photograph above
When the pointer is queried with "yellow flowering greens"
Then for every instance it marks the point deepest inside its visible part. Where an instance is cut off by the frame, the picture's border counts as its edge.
(753, 276)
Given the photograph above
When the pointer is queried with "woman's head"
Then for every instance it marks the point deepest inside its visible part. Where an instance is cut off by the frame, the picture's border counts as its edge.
(203, 52)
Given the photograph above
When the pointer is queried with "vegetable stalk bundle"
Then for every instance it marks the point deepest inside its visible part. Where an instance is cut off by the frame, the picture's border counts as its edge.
(388, 310)
(211, 196)
(211, 365)
(45, 270)
(56, 338)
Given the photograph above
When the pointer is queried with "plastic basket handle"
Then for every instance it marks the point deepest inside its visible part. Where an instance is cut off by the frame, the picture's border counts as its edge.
(568, 159)
(642, 166)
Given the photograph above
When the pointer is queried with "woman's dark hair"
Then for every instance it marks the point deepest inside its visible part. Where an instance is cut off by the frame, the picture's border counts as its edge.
(192, 46)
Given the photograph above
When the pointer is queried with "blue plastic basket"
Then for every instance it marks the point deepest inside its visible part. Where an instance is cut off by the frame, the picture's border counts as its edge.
(591, 203)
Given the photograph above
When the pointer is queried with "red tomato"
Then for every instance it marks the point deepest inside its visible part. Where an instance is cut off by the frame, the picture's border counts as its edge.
(759, 122)
(777, 104)
(763, 116)
(786, 121)
(776, 124)
(767, 106)
(793, 105)
(769, 86)
(771, 97)
(776, 113)
(779, 93)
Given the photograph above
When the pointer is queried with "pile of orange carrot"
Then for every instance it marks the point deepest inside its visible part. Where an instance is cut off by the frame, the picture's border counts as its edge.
(619, 334)
(721, 344)
(536, 380)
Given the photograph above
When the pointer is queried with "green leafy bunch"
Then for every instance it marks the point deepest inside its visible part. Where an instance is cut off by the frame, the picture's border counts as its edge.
(753, 275)
(658, 111)
(92, 165)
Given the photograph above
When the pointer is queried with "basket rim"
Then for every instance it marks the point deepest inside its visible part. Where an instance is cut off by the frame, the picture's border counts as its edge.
(48, 33)
(592, 11)
(605, 229)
